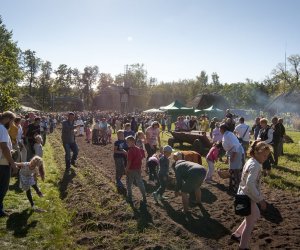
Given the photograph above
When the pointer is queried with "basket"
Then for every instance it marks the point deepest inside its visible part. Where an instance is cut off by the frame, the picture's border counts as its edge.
(223, 173)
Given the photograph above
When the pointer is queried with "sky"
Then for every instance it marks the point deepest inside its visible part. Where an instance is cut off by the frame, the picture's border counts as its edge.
(174, 39)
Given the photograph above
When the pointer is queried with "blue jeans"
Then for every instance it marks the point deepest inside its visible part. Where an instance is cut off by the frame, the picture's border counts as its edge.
(68, 148)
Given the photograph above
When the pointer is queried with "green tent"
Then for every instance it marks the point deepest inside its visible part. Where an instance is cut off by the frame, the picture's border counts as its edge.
(211, 112)
(176, 108)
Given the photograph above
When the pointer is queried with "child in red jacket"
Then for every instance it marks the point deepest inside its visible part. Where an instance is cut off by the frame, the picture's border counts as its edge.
(133, 169)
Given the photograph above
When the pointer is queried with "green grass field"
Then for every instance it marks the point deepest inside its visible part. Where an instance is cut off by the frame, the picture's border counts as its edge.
(25, 229)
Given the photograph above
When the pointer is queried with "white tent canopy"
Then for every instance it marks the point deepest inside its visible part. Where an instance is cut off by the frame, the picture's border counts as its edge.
(153, 111)
(28, 109)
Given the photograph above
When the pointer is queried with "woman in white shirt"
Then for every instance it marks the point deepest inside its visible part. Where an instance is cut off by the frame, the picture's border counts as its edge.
(250, 186)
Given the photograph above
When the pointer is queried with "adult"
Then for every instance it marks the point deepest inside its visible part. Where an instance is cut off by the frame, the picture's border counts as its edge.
(212, 126)
(280, 122)
(242, 132)
(193, 123)
(32, 131)
(189, 178)
(266, 135)
(277, 138)
(229, 120)
(180, 125)
(152, 138)
(6, 161)
(44, 126)
(256, 127)
(235, 155)
(68, 140)
(250, 186)
(216, 134)
(134, 125)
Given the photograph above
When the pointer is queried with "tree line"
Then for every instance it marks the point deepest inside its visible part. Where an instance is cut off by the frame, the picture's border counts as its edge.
(23, 72)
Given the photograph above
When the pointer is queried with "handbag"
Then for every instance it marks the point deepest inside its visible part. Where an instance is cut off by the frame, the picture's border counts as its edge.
(241, 139)
(242, 205)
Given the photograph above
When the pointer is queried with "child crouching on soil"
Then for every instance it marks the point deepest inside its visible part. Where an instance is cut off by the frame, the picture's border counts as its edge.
(120, 154)
(163, 173)
(133, 169)
(28, 173)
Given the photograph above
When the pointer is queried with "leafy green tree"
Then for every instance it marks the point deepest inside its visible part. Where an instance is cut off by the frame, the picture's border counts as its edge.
(215, 79)
(10, 71)
(105, 80)
(135, 76)
(31, 66)
(44, 85)
(62, 82)
(202, 79)
(89, 78)
(119, 79)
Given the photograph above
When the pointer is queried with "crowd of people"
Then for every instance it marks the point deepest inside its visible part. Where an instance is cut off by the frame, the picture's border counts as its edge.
(138, 146)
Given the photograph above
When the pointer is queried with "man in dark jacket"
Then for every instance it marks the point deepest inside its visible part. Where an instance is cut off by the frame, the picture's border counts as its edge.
(68, 139)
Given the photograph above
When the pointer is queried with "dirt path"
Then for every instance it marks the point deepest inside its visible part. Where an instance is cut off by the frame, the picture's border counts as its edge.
(209, 227)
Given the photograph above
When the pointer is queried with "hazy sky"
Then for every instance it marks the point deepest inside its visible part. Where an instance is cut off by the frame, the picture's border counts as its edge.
(174, 39)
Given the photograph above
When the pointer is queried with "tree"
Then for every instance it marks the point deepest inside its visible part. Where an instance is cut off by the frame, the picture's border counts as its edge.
(62, 83)
(44, 83)
(215, 79)
(89, 78)
(31, 65)
(119, 79)
(10, 71)
(202, 79)
(105, 80)
(135, 76)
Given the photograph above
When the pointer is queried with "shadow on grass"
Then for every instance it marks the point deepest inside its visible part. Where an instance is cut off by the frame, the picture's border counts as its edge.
(287, 184)
(16, 186)
(142, 216)
(18, 222)
(202, 225)
(64, 182)
(292, 157)
(285, 169)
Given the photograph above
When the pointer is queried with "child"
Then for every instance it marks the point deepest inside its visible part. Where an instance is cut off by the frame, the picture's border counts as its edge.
(133, 170)
(88, 133)
(152, 166)
(128, 131)
(28, 171)
(38, 147)
(140, 140)
(163, 173)
(120, 147)
(211, 158)
(250, 186)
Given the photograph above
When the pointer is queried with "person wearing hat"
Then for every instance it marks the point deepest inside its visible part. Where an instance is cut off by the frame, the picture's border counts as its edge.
(152, 137)
(189, 178)
(68, 139)
(163, 173)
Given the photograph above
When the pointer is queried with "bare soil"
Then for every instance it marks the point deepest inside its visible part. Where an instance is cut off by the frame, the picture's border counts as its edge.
(103, 219)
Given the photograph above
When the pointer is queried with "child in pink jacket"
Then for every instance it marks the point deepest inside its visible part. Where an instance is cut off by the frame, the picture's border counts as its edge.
(211, 158)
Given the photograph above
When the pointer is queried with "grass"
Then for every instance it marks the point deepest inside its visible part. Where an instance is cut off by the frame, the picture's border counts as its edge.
(25, 229)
